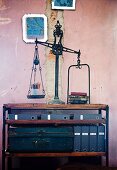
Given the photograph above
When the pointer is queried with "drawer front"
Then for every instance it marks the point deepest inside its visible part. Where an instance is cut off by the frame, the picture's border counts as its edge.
(55, 116)
(88, 116)
(37, 114)
(41, 144)
(29, 114)
(42, 139)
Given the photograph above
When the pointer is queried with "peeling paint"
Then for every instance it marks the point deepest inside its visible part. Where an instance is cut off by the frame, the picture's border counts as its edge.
(51, 56)
(53, 16)
(4, 21)
(2, 8)
(2, 5)
(4, 92)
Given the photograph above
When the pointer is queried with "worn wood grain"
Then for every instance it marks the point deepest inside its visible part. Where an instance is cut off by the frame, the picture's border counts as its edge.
(55, 154)
(55, 106)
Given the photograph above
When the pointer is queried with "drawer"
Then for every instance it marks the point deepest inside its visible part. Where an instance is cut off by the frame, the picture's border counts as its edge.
(41, 139)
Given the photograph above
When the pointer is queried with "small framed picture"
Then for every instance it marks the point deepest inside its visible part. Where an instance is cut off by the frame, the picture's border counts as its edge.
(63, 4)
(34, 26)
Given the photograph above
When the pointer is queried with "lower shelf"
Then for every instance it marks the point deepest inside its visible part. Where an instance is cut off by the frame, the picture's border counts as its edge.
(68, 154)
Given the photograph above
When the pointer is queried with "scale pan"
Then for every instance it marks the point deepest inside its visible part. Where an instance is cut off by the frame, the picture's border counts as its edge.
(36, 96)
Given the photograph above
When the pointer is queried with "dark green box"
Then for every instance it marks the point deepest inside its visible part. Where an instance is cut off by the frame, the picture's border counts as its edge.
(41, 139)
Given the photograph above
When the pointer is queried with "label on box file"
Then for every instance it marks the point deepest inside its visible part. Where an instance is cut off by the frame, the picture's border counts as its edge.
(101, 133)
(93, 134)
(76, 134)
(85, 134)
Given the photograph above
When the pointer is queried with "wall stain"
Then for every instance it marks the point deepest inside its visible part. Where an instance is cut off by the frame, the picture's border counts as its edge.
(2, 5)
(4, 21)
(51, 56)
(53, 15)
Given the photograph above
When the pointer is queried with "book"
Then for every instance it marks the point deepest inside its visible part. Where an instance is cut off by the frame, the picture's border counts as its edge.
(77, 102)
(78, 93)
(78, 97)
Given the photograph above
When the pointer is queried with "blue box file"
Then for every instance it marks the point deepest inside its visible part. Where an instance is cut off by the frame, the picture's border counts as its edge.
(93, 138)
(77, 138)
(101, 138)
(85, 139)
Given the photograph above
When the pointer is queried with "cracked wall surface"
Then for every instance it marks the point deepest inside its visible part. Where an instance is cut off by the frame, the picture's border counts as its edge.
(3, 20)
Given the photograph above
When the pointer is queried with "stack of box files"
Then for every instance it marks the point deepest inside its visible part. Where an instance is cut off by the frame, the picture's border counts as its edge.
(89, 138)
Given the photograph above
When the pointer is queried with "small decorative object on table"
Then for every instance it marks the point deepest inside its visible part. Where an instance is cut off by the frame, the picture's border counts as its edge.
(78, 98)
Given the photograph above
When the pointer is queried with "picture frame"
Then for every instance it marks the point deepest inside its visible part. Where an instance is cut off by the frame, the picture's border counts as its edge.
(64, 4)
(34, 26)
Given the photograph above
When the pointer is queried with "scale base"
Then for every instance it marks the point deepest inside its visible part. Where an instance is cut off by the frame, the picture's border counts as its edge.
(56, 101)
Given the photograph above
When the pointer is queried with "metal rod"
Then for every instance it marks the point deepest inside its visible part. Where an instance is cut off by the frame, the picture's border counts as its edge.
(107, 136)
(41, 78)
(31, 79)
(56, 76)
(3, 139)
(89, 86)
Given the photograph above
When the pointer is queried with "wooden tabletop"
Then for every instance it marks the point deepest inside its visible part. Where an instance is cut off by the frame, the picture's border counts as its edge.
(55, 154)
(55, 122)
(55, 106)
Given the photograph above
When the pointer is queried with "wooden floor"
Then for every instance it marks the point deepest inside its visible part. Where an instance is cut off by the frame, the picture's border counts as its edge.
(84, 167)
(72, 164)
(86, 163)
(72, 167)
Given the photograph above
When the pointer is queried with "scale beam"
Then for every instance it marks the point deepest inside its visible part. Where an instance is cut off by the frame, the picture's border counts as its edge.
(50, 45)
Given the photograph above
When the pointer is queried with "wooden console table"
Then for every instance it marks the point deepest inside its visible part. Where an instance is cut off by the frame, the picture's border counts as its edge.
(8, 108)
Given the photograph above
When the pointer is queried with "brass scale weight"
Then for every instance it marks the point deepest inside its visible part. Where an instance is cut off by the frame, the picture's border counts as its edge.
(57, 50)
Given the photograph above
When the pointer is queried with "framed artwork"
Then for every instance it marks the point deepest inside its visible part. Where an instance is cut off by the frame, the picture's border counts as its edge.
(34, 26)
(63, 4)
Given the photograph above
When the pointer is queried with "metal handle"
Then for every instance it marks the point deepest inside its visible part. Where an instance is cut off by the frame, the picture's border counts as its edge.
(40, 142)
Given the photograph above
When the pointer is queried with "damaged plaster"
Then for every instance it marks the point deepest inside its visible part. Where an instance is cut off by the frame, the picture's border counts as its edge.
(53, 16)
(1, 3)
(3, 20)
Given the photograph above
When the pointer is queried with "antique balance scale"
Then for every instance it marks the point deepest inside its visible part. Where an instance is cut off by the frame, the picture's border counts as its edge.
(57, 49)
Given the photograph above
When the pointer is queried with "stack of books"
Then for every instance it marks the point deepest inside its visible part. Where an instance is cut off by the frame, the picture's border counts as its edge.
(78, 98)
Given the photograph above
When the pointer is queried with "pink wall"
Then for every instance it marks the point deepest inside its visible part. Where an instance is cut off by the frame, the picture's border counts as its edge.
(92, 28)
(15, 56)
